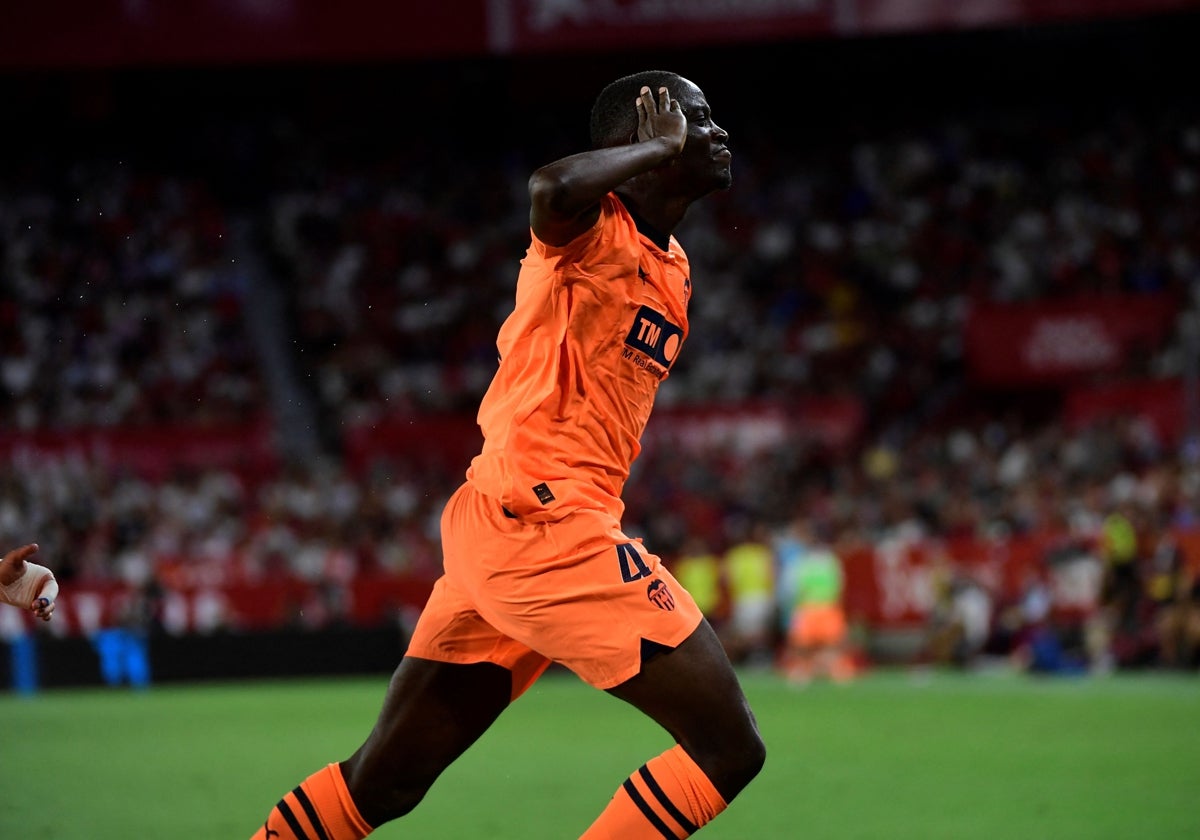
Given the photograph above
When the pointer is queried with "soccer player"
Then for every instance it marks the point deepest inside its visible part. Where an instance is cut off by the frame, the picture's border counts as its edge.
(537, 569)
(27, 585)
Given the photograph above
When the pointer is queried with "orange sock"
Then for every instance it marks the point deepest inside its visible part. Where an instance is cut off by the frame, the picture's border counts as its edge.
(669, 798)
(319, 809)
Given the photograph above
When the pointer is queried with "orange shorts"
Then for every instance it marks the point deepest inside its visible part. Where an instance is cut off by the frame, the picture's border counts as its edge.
(823, 624)
(576, 591)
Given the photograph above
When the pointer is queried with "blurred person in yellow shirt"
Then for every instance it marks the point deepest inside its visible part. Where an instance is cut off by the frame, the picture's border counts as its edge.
(749, 567)
(1115, 622)
(698, 569)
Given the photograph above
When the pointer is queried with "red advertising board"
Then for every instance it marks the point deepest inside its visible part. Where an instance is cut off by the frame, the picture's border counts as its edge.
(153, 452)
(86, 33)
(450, 441)
(888, 586)
(1062, 341)
(1159, 403)
(244, 607)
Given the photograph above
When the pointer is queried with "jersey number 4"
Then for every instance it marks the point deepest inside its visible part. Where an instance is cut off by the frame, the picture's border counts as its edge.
(633, 567)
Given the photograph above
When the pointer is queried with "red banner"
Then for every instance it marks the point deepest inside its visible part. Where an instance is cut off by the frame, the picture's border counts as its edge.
(87, 33)
(1058, 342)
(154, 452)
(522, 26)
(894, 585)
(891, 585)
(444, 442)
(1159, 403)
(450, 441)
(367, 601)
(832, 423)
(897, 584)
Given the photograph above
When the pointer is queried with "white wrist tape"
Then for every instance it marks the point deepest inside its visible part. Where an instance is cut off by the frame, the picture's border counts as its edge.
(22, 591)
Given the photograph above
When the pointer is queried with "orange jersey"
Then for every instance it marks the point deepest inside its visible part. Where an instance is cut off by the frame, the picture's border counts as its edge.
(596, 328)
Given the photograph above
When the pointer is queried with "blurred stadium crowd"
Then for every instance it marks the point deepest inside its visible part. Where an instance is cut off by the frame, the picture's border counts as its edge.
(842, 266)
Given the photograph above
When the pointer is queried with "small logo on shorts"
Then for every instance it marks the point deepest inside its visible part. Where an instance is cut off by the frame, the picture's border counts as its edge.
(660, 596)
(542, 491)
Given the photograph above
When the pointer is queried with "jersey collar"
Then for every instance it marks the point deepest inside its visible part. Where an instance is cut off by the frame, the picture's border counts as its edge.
(660, 239)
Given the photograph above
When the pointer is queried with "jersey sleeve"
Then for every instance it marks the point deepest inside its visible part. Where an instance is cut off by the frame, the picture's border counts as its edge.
(579, 249)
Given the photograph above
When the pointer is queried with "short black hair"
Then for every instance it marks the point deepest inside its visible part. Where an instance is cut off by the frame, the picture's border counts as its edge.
(614, 117)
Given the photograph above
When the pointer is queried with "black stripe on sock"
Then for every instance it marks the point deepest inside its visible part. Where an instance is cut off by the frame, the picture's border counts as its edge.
(290, 819)
(307, 805)
(666, 802)
(647, 811)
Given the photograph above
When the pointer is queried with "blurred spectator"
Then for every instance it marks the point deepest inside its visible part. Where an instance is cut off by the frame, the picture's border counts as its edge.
(121, 304)
(961, 621)
(698, 570)
(749, 572)
(1043, 641)
(789, 548)
(835, 268)
(1169, 597)
(1120, 598)
(124, 647)
(817, 640)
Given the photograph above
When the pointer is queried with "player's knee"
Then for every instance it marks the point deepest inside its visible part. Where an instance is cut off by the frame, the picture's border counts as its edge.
(734, 762)
(382, 797)
(751, 757)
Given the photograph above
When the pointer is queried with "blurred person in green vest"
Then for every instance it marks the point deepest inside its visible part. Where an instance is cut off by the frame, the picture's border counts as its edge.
(817, 635)
(749, 567)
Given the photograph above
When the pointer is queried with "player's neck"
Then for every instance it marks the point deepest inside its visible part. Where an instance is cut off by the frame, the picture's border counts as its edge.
(655, 220)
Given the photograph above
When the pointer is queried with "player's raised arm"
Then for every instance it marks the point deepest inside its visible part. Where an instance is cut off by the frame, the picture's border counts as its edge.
(565, 195)
(27, 585)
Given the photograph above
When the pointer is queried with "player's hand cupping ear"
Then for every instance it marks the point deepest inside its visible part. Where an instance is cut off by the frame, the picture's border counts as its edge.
(27, 585)
(661, 117)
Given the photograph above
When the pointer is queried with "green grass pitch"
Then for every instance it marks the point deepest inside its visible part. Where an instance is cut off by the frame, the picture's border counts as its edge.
(892, 756)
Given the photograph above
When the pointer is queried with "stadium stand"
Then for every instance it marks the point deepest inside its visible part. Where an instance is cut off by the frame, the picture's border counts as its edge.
(224, 372)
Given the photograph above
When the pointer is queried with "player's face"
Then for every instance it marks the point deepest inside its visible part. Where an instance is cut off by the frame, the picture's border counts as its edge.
(705, 158)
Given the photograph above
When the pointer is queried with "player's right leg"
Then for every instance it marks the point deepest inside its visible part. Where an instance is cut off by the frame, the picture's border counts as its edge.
(458, 676)
(432, 712)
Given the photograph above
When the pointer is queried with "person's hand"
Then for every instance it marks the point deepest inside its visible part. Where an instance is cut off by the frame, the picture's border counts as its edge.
(662, 118)
(27, 585)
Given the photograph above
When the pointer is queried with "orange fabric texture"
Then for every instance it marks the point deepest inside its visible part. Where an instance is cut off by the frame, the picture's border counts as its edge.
(596, 327)
(319, 809)
(577, 591)
(818, 625)
(668, 797)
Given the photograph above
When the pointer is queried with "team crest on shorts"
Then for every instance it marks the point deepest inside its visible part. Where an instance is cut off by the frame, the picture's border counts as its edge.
(660, 596)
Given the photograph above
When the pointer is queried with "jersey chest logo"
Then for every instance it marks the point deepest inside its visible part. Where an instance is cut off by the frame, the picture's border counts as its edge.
(653, 341)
